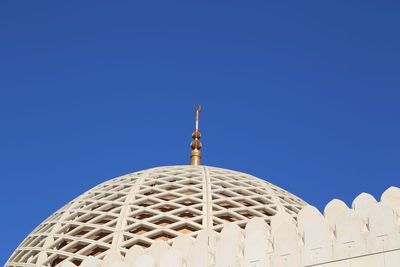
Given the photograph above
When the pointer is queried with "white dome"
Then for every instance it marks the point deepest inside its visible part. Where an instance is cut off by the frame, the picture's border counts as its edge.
(155, 204)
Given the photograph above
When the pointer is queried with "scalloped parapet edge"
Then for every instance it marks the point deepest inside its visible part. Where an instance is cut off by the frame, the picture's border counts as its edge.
(368, 234)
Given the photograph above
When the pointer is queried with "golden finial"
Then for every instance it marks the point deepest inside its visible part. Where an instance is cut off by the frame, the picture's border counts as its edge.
(195, 155)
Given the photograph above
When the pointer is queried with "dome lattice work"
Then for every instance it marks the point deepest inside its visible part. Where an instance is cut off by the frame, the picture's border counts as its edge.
(155, 204)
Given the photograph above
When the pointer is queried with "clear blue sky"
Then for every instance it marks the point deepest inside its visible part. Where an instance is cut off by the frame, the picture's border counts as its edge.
(305, 95)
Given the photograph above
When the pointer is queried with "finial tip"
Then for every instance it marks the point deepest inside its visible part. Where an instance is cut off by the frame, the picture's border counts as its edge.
(195, 155)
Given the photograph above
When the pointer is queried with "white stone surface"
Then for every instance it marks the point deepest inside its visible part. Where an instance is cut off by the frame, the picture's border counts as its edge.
(90, 262)
(133, 253)
(256, 242)
(392, 198)
(144, 261)
(333, 209)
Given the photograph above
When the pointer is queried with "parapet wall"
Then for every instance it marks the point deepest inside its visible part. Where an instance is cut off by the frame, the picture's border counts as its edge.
(368, 234)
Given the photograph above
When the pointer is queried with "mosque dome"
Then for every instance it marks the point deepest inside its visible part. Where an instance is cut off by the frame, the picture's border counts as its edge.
(155, 204)
(201, 216)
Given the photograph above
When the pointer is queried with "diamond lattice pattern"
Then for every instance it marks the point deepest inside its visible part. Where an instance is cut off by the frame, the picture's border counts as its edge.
(156, 204)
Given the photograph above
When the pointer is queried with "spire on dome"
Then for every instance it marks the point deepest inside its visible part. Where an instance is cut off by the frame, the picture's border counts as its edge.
(195, 155)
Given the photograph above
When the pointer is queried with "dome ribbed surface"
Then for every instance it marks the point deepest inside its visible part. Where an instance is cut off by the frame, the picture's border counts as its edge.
(155, 204)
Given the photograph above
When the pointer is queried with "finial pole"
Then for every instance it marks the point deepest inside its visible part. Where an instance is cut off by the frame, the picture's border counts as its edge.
(195, 155)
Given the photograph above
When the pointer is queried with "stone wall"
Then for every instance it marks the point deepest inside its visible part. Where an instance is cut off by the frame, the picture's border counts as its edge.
(368, 234)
